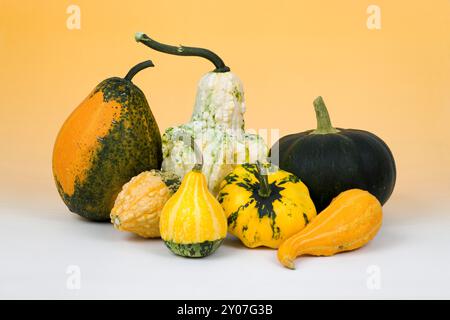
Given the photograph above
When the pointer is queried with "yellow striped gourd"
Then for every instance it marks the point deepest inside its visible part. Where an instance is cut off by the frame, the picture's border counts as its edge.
(193, 223)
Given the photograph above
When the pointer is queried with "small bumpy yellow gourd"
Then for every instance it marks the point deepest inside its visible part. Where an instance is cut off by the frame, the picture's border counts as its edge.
(138, 206)
(193, 223)
(351, 220)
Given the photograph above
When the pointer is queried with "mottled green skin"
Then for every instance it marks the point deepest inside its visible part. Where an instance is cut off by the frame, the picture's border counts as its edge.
(170, 179)
(132, 145)
(194, 250)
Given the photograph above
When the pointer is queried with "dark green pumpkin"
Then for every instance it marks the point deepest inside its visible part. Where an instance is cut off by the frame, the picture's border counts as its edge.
(111, 137)
(331, 160)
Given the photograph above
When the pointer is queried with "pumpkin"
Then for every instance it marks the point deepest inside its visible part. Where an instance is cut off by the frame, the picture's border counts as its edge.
(109, 138)
(138, 206)
(264, 208)
(217, 123)
(331, 160)
(192, 222)
(349, 222)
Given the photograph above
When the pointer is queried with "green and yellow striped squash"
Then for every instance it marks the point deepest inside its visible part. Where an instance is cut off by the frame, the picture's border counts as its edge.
(264, 208)
(192, 222)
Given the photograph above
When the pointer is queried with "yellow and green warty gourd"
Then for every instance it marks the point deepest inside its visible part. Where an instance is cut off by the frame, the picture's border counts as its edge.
(265, 207)
(192, 222)
(217, 123)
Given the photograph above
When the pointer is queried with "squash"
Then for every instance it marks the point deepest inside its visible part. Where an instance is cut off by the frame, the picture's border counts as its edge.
(348, 223)
(217, 123)
(138, 206)
(331, 160)
(192, 222)
(264, 208)
(109, 138)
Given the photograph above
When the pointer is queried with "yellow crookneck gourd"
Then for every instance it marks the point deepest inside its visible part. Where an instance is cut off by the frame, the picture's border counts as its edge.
(351, 220)
(192, 223)
(264, 208)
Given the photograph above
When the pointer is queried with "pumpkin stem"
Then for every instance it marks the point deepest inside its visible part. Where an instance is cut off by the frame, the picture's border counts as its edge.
(183, 51)
(261, 174)
(323, 118)
(137, 68)
(198, 155)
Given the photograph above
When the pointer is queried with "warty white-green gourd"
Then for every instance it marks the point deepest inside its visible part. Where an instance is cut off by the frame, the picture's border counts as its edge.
(217, 123)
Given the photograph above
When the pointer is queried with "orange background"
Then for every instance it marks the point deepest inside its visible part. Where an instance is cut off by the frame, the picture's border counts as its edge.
(394, 82)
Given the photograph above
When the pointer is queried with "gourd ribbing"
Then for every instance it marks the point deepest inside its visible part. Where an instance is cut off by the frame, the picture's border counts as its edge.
(183, 51)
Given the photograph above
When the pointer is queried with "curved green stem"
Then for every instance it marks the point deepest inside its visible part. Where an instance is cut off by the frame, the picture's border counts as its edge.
(137, 68)
(261, 174)
(183, 51)
(198, 155)
(323, 118)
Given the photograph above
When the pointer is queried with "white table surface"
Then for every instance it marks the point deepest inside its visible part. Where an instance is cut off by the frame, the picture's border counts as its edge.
(40, 240)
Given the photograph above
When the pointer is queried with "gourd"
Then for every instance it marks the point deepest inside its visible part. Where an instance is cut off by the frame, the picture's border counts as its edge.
(192, 222)
(217, 122)
(264, 208)
(138, 206)
(349, 222)
(109, 138)
(331, 160)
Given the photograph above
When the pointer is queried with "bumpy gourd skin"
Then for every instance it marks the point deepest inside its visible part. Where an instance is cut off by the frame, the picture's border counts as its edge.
(348, 223)
(138, 206)
(265, 221)
(111, 137)
(192, 222)
(217, 126)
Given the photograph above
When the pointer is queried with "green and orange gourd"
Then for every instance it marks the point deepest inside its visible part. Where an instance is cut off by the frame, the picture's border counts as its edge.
(109, 138)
